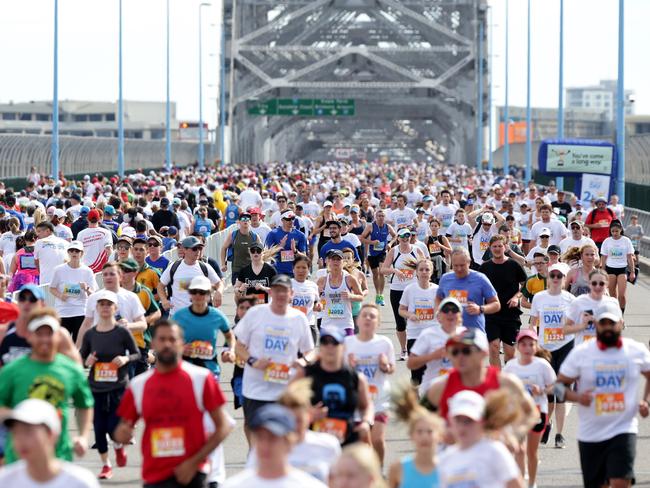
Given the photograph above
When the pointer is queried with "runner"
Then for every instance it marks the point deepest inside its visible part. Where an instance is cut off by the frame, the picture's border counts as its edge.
(290, 241)
(598, 222)
(255, 278)
(634, 232)
(373, 356)
(357, 467)
(237, 246)
(49, 251)
(97, 241)
(154, 257)
(23, 269)
(353, 268)
(618, 259)
(376, 237)
(305, 293)
(586, 257)
(576, 239)
(536, 283)
(607, 371)
(557, 230)
(438, 248)
(146, 275)
(336, 242)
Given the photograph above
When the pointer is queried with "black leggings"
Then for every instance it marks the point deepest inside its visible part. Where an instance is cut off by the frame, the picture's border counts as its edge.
(72, 325)
(105, 417)
(416, 374)
(395, 297)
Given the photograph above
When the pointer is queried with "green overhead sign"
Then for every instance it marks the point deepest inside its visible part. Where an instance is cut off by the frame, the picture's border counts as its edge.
(303, 107)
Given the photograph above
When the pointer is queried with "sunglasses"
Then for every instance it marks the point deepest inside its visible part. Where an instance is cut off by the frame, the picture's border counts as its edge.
(123, 248)
(597, 283)
(153, 244)
(74, 251)
(245, 219)
(199, 292)
(197, 248)
(556, 276)
(30, 299)
(465, 351)
(255, 251)
(449, 309)
(288, 219)
(405, 236)
(328, 341)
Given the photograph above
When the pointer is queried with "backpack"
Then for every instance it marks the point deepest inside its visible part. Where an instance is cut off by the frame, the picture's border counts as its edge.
(174, 268)
(230, 251)
(590, 217)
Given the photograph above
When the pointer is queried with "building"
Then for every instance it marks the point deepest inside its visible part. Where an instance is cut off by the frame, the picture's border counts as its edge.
(600, 98)
(142, 120)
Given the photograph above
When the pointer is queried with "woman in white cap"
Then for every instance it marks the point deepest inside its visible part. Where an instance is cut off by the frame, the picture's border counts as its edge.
(537, 375)
(107, 349)
(71, 284)
(476, 460)
(618, 259)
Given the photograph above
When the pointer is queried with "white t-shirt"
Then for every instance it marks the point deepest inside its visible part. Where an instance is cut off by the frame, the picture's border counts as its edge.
(67, 280)
(413, 197)
(50, 252)
(487, 464)
(262, 231)
(539, 372)
(352, 239)
(613, 377)
(314, 455)
(250, 198)
(278, 338)
(129, 306)
(523, 222)
(481, 243)
(421, 302)
(366, 355)
(295, 479)
(422, 231)
(305, 295)
(15, 476)
(431, 339)
(551, 311)
(580, 305)
(401, 218)
(458, 234)
(569, 242)
(95, 241)
(8, 243)
(557, 228)
(182, 277)
(444, 213)
(616, 251)
(63, 231)
(618, 210)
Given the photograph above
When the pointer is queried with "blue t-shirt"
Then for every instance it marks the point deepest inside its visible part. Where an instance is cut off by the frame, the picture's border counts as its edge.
(475, 287)
(284, 259)
(201, 332)
(159, 264)
(329, 245)
(202, 226)
(169, 243)
(232, 214)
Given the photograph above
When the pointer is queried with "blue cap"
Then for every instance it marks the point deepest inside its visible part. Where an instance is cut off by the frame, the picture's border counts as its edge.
(34, 290)
(277, 419)
(84, 210)
(172, 231)
(333, 333)
(427, 198)
(164, 202)
(109, 210)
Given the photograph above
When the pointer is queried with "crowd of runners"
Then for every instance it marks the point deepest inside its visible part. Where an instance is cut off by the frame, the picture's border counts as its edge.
(508, 301)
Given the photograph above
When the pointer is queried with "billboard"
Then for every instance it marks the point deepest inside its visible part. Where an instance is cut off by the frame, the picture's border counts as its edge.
(576, 157)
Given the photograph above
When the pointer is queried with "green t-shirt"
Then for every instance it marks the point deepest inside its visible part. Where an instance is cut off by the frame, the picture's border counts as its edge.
(56, 382)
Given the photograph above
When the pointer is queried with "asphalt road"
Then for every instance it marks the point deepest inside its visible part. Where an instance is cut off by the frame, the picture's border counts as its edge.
(559, 467)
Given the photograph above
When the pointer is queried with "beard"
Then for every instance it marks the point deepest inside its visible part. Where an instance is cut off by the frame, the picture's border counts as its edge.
(608, 337)
(167, 357)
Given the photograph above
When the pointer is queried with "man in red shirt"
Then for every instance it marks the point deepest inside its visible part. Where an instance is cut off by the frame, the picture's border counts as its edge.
(172, 399)
(598, 221)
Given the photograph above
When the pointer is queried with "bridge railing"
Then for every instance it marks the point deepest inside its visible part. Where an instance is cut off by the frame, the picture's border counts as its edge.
(644, 221)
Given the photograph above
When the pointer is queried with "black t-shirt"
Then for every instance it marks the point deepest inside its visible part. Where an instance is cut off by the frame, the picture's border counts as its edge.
(339, 392)
(13, 346)
(565, 208)
(246, 275)
(505, 278)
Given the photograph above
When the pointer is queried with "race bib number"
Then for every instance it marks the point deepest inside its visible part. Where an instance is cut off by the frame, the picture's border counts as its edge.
(483, 245)
(286, 256)
(301, 308)
(588, 337)
(434, 247)
(260, 297)
(408, 273)
(336, 311)
(72, 289)
(200, 350)
(553, 335)
(379, 246)
(460, 295)
(616, 252)
(424, 313)
(168, 442)
(374, 392)
(609, 403)
(105, 372)
(336, 427)
(277, 373)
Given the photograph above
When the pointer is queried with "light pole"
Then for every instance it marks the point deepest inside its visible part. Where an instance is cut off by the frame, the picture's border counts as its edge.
(222, 88)
(490, 118)
(620, 105)
(55, 97)
(529, 146)
(168, 130)
(506, 115)
(201, 148)
(120, 102)
(479, 115)
(559, 183)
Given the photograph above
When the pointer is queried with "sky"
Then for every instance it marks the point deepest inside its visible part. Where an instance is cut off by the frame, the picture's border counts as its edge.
(88, 33)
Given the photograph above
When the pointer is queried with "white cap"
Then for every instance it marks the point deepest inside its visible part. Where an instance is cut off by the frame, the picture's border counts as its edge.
(106, 295)
(609, 310)
(76, 245)
(128, 232)
(487, 218)
(545, 232)
(327, 203)
(51, 210)
(46, 320)
(59, 212)
(35, 412)
(200, 283)
(468, 404)
(561, 267)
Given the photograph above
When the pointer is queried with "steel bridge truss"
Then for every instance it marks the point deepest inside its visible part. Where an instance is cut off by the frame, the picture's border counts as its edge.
(405, 63)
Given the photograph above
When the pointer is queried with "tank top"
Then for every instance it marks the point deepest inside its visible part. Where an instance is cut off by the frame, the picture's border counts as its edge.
(240, 244)
(455, 384)
(399, 263)
(26, 270)
(433, 244)
(337, 312)
(357, 230)
(339, 392)
(581, 285)
(202, 226)
(381, 235)
(412, 478)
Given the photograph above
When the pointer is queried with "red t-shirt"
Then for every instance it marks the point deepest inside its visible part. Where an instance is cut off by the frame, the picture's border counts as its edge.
(455, 384)
(597, 217)
(172, 406)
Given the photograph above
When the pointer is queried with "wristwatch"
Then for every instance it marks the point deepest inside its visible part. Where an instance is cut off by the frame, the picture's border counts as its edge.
(482, 309)
(251, 360)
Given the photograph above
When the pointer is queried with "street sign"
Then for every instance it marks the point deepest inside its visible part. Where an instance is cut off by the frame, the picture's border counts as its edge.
(303, 107)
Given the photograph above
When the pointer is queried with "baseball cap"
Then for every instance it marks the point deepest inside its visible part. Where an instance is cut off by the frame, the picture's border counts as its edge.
(34, 290)
(523, 204)
(164, 202)
(155, 238)
(554, 249)
(34, 411)
(200, 283)
(427, 198)
(275, 418)
(176, 202)
(576, 222)
(332, 222)
(545, 232)
(106, 295)
(46, 320)
(601, 199)
(470, 337)
(245, 216)
(78, 245)
(129, 265)
(609, 310)
(333, 333)
(190, 242)
(452, 301)
(487, 218)
(75, 196)
(93, 215)
(287, 215)
(109, 210)
(129, 232)
(561, 267)
(84, 210)
(172, 231)
(327, 203)
(8, 312)
(59, 212)
(254, 211)
(281, 280)
(354, 208)
(467, 403)
(256, 245)
(335, 253)
(125, 238)
(404, 232)
(527, 333)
